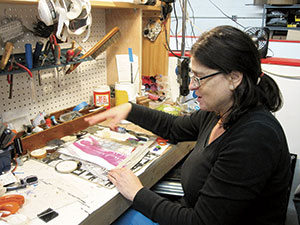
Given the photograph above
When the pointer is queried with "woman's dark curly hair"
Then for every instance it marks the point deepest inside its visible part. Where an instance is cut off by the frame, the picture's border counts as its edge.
(227, 49)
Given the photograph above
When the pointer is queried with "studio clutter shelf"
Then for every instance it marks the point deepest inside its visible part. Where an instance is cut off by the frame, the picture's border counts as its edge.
(131, 19)
(49, 63)
(281, 17)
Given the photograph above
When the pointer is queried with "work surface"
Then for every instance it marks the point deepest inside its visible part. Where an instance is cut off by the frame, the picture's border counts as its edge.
(78, 201)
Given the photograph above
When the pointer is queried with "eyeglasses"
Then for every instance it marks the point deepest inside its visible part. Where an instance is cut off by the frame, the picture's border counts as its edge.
(197, 80)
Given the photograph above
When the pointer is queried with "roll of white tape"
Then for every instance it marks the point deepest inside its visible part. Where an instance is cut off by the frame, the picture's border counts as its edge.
(67, 166)
(39, 153)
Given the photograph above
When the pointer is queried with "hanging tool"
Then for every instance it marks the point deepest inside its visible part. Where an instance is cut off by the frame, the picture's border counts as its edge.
(69, 55)
(37, 52)
(28, 56)
(73, 44)
(77, 51)
(10, 82)
(11, 30)
(46, 52)
(55, 49)
(73, 54)
(7, 52)
(110, 38)
(56, 53)
(36, 58)
(29, 62)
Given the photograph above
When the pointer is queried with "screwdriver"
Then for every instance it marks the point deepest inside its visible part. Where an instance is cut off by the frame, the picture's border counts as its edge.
(36, 58)
(37, 52)
(69, 55)
(77, 51)
(28, 56)
(57, 54)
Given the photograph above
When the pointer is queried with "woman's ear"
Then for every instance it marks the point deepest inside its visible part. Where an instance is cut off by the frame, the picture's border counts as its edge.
(235, 79)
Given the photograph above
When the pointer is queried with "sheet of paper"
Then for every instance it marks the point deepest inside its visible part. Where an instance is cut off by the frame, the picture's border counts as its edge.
(124, 68)
(105, 153)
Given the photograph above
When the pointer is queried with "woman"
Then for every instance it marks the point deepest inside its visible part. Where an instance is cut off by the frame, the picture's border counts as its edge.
(239, 170)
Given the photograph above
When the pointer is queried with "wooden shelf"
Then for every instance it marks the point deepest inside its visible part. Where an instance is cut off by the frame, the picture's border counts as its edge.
(124, 5)
(95, 4)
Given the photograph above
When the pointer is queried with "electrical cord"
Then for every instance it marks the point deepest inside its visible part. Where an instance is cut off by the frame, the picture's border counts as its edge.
(271, 51)
(167, 43)
(193, 16)
(225, 14)
(176, 25)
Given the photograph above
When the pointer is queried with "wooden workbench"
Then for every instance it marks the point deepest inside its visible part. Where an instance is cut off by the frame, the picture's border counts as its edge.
(113, 208)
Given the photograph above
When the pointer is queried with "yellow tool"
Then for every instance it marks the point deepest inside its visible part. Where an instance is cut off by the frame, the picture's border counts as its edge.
(7, 52)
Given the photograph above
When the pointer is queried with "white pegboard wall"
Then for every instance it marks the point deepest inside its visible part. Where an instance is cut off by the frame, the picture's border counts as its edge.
(50, 97)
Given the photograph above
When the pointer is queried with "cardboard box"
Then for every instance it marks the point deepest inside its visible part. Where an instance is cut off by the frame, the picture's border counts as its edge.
(282, 2)
(293, 35)
(260, 2)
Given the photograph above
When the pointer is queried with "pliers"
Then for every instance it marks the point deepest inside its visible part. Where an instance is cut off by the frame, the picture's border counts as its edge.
(55, 49)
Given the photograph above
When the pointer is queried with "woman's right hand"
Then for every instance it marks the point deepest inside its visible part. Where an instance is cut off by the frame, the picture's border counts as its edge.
(116, 114)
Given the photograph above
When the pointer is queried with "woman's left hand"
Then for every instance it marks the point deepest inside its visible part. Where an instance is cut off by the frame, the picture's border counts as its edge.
(126, 182)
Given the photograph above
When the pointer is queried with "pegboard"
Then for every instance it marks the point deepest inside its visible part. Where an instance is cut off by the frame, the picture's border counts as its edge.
(51, 95)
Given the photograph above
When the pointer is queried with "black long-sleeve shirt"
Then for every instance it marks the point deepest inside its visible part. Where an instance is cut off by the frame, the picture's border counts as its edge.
(241, 178)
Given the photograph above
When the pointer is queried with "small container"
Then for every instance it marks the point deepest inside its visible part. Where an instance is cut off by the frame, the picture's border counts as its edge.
(125, 92)
(102, 96)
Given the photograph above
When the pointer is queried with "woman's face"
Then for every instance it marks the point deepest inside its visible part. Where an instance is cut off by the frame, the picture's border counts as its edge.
(215, 92)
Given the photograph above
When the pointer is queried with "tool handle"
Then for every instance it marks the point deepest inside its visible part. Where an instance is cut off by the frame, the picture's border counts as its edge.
(6, 137)
(7, 52)
(73, 44)
(69, 55)
(47, 48)
(28, 56)
(77, 52)
(74, 66)
(57, 54)
(37, 52)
